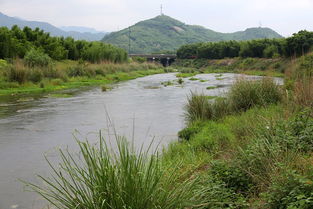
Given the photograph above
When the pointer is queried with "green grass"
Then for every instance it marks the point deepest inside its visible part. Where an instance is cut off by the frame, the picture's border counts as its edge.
(75, 82)
(249, 66)
(211, 87)
(59, 95)
(243, 95)
(185, 75)
(101, 178)
(167, 83)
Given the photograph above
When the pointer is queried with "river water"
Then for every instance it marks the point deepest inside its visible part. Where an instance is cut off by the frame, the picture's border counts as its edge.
(142, 109)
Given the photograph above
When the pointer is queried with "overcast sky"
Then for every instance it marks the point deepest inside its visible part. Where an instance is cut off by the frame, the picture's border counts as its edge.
(284, 16)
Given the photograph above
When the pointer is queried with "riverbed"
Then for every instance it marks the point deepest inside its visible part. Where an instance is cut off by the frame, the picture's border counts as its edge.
(144, 110)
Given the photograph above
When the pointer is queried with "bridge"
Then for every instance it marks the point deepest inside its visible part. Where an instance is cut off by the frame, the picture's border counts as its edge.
(165, 59)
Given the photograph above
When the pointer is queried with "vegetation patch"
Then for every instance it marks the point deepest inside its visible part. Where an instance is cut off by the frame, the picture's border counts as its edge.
(211, 87)
(193, 79)
(60, 95)
(167, 83)
(185, 75)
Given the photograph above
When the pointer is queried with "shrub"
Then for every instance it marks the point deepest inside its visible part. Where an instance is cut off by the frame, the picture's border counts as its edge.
(296, 133)
(220, 196)
(139, 59)
(275, 145)
(80, 70)
(290, 190)
(101, 178)
(36, 58)
(232, 176)
(35, 75)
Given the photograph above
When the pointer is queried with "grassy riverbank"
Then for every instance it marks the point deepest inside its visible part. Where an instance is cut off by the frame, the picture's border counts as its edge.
(17, 78)
(250, 66)
(250, 149)
(253, 147)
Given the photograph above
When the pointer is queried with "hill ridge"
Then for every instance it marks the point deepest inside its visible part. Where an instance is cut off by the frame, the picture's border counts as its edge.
(164, 33)
(8, 21)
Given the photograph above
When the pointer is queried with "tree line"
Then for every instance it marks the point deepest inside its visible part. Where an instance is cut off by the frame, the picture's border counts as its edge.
(16, 42)
(298, 44)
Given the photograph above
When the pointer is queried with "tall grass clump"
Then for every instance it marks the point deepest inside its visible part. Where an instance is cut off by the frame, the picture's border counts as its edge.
(102, 178)
(17, 72)
(198, 107)
(246, 94)
(243, 95)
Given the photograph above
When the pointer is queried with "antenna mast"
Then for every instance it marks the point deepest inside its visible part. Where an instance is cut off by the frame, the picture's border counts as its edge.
(162, 9)
(128, 40)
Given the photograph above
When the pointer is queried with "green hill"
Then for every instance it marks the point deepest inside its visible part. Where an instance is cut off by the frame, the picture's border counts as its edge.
(164, 33)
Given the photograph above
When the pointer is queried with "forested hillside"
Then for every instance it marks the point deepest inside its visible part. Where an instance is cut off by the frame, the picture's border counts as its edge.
(164, 33)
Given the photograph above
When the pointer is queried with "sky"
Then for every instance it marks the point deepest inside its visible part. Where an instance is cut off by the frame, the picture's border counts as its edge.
(284, 16)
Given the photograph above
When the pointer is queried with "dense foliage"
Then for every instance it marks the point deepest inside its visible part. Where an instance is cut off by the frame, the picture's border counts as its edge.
(17, 42)
(164, 33)
(298, 44)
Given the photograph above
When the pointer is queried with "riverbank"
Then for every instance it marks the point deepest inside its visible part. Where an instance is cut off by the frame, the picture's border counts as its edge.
(17, 79)
(250, 66)
(253, 147)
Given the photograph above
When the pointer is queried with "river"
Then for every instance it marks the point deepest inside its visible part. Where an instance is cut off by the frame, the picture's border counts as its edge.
(142, 109)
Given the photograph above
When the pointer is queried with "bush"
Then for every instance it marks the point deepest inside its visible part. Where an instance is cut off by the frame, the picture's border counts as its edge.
(275, 145)
(139, 59)
(35, 75)
(232, 176)
(296, 133)
(36, 58)
(290, 190)
(80, 70)
(219, 196)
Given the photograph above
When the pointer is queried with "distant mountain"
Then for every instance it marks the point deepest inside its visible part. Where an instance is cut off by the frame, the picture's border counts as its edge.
(164, 33)
(80, 29)
(54, 31)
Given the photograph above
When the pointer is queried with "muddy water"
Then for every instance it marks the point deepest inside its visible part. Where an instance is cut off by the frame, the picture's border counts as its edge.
(142, 109)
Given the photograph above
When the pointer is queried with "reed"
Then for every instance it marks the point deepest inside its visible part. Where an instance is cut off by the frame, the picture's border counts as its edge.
(102, 178)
